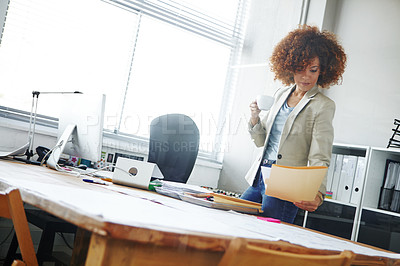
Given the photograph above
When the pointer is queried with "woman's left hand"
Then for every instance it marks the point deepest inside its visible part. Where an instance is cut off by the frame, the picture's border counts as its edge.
(309, 205)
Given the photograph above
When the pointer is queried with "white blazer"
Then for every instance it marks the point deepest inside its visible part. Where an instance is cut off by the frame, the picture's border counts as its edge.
(307, 135)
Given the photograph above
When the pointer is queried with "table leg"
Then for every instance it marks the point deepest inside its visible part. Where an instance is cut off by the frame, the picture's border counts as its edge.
(81, 246)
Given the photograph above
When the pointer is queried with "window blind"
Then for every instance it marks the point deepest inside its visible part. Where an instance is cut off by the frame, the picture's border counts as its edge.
(188, 18)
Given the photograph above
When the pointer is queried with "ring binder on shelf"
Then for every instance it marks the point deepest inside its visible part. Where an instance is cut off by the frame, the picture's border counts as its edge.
(347, 174)
(391, 177)
(358, 182)
(395, 204)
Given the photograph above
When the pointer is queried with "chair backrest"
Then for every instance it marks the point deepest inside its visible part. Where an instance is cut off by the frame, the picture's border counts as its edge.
(174, 145)
(240, 252)
(11, 207)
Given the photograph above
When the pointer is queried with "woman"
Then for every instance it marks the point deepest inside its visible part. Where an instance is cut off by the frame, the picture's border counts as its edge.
(297, 130)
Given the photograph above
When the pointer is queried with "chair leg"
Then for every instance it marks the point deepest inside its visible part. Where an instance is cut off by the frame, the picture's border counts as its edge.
(45, 249)
(12, 251)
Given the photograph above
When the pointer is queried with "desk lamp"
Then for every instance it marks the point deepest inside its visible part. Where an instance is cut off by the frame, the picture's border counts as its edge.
(32, 122)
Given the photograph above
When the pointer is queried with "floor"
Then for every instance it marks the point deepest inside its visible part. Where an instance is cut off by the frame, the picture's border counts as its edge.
(7, 232)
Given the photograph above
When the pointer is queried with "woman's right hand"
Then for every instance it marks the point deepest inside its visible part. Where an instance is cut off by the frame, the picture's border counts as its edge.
(255, 112)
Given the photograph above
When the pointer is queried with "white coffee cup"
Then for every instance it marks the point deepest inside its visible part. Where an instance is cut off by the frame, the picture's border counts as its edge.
(264, 102)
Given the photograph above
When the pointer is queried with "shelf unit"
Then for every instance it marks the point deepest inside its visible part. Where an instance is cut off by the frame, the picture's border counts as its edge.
(361, 221)
(333, 216)
(378, 227)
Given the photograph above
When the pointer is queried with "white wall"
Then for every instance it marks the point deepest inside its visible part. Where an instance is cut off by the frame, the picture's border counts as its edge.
(268, 22)
(369, 98)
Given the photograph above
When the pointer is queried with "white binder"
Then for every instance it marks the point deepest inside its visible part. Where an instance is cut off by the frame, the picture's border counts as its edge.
(329, 176)
(346, 178)
(358, 183)
(336, 175)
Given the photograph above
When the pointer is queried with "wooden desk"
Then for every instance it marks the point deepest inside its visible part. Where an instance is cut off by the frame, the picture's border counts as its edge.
(129, 226)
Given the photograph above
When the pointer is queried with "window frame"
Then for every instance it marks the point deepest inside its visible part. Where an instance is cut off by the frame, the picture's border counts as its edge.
(213, 29)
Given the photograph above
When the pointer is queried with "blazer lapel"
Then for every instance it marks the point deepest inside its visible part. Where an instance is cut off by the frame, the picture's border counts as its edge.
(292, 116)
(274, 111)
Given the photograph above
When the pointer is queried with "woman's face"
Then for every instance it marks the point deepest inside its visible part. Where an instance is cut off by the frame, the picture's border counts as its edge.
(307, 78)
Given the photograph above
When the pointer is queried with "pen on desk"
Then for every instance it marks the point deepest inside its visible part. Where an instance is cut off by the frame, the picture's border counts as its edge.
(102, 177)
(106, 179)
(94, 181)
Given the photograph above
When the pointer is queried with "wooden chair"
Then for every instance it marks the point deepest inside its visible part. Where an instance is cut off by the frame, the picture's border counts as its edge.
(50, 225)
(11, 207)
(240, 252)
(18, 263)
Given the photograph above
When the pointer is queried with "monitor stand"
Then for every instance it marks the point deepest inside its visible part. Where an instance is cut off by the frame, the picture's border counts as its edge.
(59, 148)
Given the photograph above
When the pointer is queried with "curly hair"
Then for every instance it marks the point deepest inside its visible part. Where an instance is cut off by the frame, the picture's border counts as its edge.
(295, 51)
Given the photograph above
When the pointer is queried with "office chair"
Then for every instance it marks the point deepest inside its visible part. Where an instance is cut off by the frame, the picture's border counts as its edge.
(240, 252)
(11, 207)
(174, 145)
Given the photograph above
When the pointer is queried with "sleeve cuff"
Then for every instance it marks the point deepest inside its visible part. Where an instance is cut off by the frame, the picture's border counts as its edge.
(321, 197)
(254, 128)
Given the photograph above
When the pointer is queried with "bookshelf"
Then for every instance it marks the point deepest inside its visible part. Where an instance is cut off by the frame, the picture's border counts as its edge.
(377, 227)
(337, 216)
(360, 220)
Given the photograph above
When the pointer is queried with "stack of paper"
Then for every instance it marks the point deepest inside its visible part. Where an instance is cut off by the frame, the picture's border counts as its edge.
(175, 189)
(222, 202)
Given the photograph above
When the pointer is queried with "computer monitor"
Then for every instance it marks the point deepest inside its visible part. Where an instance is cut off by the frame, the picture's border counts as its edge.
(80, 128)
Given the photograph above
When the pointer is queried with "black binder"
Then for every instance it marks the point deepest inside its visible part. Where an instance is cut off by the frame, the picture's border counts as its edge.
(389, 198)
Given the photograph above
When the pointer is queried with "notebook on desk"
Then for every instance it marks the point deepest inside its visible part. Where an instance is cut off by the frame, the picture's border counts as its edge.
(135, 173)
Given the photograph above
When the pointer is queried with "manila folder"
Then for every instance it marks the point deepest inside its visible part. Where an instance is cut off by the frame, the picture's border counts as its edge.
(293, 183)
